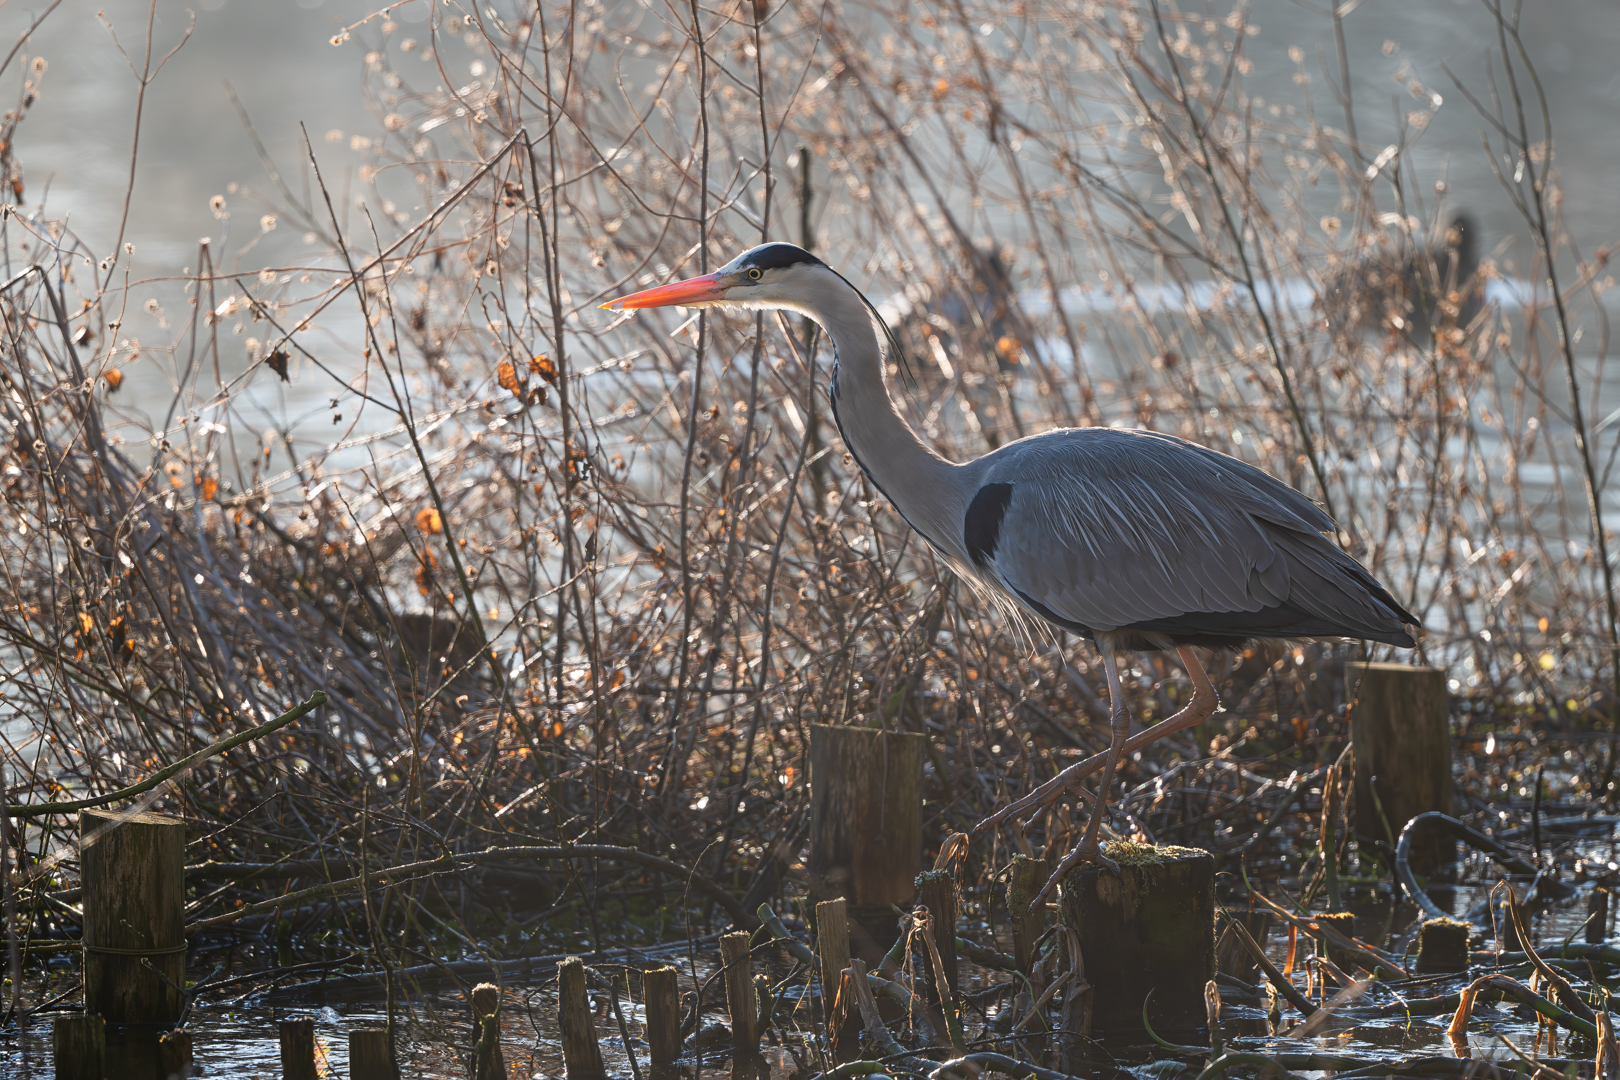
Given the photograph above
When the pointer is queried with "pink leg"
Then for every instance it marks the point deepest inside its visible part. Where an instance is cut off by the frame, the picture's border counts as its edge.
(1204, 702)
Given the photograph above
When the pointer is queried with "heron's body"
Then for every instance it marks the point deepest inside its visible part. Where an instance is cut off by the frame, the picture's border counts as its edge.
(1133, 539)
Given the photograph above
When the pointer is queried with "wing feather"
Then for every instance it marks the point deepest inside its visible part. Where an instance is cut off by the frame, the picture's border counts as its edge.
(1109, 529)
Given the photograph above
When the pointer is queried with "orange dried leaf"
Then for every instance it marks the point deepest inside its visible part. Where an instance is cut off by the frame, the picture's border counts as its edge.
(429, 521)
(114, 378)
(210, 488)
(506, 375)
(543, 367)
(86, 623)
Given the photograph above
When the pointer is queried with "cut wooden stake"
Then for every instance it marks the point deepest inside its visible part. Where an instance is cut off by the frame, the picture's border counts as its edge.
(79, 1047)
(582, 1057)
(661, 994)
(488, 1062)
(298, 1049)
(844, 1025)
(370, 1056)
(936, 890)
(1596, 929)
(134, 888)
(1400, 728)
(866, 826)
(1025, 879)
(832, 947)
(740, 998)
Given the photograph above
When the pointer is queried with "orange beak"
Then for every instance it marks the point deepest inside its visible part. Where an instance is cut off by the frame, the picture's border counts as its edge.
(675, 294)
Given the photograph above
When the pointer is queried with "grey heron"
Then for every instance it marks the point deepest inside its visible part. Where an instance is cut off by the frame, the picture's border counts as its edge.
(1135, 540)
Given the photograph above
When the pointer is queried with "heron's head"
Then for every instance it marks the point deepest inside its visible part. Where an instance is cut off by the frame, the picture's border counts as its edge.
(768, 276)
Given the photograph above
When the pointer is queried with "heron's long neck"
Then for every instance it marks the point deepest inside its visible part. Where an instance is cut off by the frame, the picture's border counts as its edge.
(922, 485)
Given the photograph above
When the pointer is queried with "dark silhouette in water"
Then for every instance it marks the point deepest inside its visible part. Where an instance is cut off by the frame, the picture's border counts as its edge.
(1412, 296)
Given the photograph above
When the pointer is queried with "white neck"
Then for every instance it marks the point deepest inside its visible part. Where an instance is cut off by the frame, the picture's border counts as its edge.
(923, 486)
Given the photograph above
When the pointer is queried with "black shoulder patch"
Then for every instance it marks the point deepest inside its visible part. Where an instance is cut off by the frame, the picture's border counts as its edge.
(981, 525)
(777, 256)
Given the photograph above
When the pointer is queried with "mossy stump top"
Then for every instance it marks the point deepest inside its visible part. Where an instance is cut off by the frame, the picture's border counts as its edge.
(1148, 930)
(1443, 946)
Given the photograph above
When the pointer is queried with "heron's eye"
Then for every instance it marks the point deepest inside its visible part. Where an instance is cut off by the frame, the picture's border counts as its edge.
(755, 273)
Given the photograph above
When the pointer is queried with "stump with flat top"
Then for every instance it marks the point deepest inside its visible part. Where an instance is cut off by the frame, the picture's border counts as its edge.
(298, 1049)
(582, 1056)
(1596, 930)
(1401, 730)
(1345, 923)
(741, 1002)
(488, 1061)
(134, 886)
(79, 1047)
(661, 992)
(936, 891)
(866, 826)
(1150, 929)
(174, 1055)
(1443, 946)
(370, 1055)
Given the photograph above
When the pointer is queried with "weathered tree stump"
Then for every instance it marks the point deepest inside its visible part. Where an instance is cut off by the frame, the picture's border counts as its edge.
(844, 1021)
(1596, 930)
(832, 948)
(134, 885)
(740, 999)
(298, 1049)
(661, 995)
(370, 1056)
(488, 1061)
(866, 826)
(174, 1055)
(1442, 946)
(79, 1047)
(936, 890)
(582, 1057)
(1400, 727)
(1345, 923)
(1150, 929)
(1025, 878)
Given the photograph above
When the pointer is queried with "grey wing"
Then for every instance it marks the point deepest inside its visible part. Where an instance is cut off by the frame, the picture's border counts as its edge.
(1108, 530)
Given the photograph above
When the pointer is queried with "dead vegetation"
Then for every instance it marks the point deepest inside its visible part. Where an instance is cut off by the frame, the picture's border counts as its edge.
(570, 578)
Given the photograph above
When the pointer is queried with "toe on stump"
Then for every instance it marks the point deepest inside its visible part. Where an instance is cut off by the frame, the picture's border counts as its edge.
(1150, 929)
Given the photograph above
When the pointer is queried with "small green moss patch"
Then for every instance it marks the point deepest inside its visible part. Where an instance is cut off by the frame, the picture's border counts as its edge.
(1131, 853)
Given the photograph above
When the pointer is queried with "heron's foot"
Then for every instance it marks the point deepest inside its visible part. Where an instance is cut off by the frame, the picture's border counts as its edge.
(1043, 797)
(1088, 850)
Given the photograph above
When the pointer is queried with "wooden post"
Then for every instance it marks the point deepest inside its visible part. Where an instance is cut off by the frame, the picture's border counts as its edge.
(844, 1021)
(369, 1055)
(582, 1057)
(866, 825)
(174, 1055)
(1151, 928)
(488, 1062)
(1025, 877)
(661, 994)
(1345, 923)
(79, 1047)
(1596, 930)
(1400, 727)
(134, 887)
(832, 946)
(936, 890)
(1442, 946)
(298, 1049)
(739, 980)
